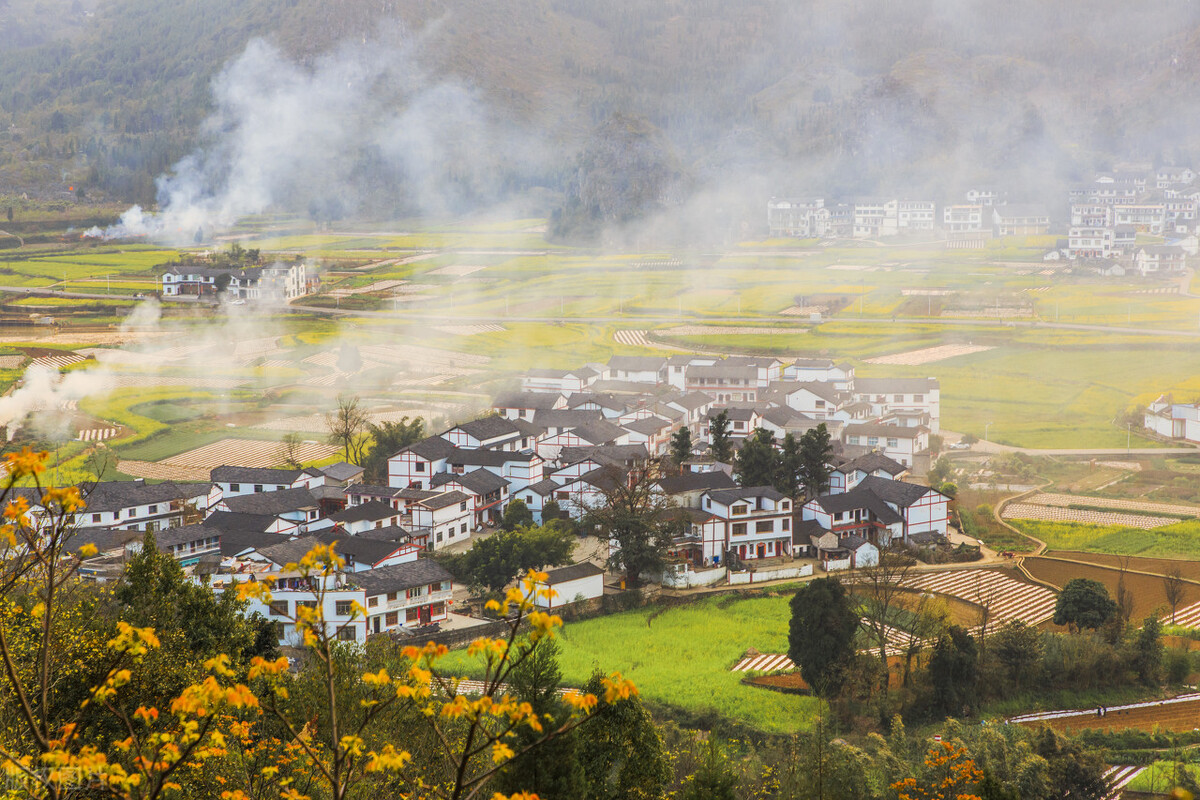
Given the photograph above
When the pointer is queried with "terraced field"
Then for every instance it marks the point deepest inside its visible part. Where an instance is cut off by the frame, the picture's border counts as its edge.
(1085, 516)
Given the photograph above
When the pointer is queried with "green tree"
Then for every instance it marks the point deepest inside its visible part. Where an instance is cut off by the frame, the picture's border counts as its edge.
(554, 772)
(816, 451)
(1148, 652)
(787, 475)
(347, 426)
(621, 752)
(550, 511)
(635, 516)
(1084, 603)
(941, 471)
(516, 515)
(952, 667)
(720, 447)
(757, 462)
(821, 634)
(493, 562)
(714, 778)
(1018, 647)
(1074, 772)
(387, 439)
(681, 446)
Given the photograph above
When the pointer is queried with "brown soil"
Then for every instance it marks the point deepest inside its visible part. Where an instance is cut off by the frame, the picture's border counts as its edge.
(1159, 566)
(1147, 590)
(789, 681)
(1175, 717)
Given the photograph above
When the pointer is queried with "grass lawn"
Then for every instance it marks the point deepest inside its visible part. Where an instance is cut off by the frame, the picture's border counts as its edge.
(682, 657)
(1181, 540)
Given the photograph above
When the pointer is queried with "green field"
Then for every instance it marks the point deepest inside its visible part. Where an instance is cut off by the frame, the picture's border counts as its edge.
(682, 657)
(1181, 540)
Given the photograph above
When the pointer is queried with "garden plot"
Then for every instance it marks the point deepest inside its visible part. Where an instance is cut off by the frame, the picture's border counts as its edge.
(246, 453)
(778, 662)
(802, 311)
(315, 423)
(330, 360)
(1059, 514)
(469, 330)
(458, 270)
(377, 286)
(1173, 714)
(1187, 617)
(431, 359)
(162, 472)
(11, 362)
(632, 338)
(1063, 500)
(97, 434)
(1006, 598)
(714, 330)
(59, 361)
(928, 355)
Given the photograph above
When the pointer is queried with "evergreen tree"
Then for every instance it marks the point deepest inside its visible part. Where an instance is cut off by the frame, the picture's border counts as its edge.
(516, 515)
(720, 447)
(621, 752)
(715, 778)
(681, 446)
(389, 438)
(757, 461)
(821, 634)
(1084, 603)
(815, 454)
(787, 475)
(952, 671)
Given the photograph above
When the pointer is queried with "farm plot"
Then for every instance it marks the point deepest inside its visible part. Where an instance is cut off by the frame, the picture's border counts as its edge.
(1005, 597)
(1188, 568)
(162, 472)
(1063, 500)
(1146, 590)
(458, 270)
(470, 330)
(247, 453)
(1085, 516)
(631, 338)
(316, 423)
(1173, 714)
(719, 330)
(928, 355)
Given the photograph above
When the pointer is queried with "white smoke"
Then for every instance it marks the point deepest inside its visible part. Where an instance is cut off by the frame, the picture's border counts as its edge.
(361, 124)
(45, 397)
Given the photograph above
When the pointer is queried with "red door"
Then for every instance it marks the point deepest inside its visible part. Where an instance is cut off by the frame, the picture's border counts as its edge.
(423, 613)
(762, 551)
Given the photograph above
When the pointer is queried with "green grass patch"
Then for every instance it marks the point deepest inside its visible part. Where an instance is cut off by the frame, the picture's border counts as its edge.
(682, 657)
(1181, 540)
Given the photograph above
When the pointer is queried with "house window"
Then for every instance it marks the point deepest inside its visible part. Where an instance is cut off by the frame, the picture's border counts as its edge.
(893, 442)
(464, 528)
(412, 615)
(872, 441)
(279, 608)
(96, 517)
(420, 466)
(280, 488)
(372, 602)
(739, 510)
(851, 440)
(898, 398)
(786, 505)
(563, 495)
(347, 634)
(392, 619)
(258, 487)
(462, 506)
(764, 526)
(918, 398)
(787, 524)
(305, 604)
(391, 596)
(343, 608)
(739, 529)
(416, 591)
(235, 487)
(837, 517)
(820, 404)
(152, 510)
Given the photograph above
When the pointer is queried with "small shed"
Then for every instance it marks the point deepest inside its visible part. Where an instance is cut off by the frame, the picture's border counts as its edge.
(568, 584)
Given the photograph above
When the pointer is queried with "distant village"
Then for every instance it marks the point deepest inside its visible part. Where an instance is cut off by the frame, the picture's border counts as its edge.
(1104, 219)
(558, 444)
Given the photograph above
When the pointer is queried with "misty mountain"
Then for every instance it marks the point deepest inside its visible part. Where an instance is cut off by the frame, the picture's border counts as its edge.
(755, 98)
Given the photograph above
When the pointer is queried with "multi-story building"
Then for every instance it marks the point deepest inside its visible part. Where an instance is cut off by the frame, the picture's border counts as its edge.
(802, 218)
(757, 521)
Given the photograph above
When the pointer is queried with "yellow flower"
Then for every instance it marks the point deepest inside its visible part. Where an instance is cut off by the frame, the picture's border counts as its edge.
(388, 758)
(26, 462)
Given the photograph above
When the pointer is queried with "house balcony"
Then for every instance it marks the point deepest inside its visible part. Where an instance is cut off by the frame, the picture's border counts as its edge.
(413, 602)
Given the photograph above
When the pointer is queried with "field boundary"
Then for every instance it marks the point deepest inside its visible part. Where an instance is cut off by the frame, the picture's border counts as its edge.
(1003, 504)
(1098, 565)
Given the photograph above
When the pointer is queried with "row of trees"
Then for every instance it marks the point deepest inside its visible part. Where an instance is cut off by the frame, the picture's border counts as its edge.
(941, 669)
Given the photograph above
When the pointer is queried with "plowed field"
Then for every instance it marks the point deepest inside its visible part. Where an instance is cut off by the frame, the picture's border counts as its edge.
(1147, 590)
(1183, 716)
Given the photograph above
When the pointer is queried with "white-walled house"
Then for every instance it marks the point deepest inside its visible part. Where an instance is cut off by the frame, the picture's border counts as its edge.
(897, 394)
(137, 505)
(583, 581)
(448, 516)
(899, 443)
(880, 510)
(757, 520)
(1173, 420)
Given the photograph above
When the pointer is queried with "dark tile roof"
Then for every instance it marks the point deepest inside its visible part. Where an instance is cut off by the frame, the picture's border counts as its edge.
(727, 496)
(228, 521)
(749, 373)
(693, 400)
(289, 551)
(566, 417)
(362, 550)
(637, 363)
(281, 477)
(647, 425)
(872, 462)
(857, 498)
(398, 577)
(805, 529)
(598, 432)
(573, 572)
(534, 400)
(542, 487)
(889, 431)
(479, 482)
(274, 503)
(897, 492)
(364, 512)
(234, 542)
(116, 495)
(388, 533)
(444, 499)
(487, 428)
(341, 471)
(693, 481)
(184, 534)
(604, 454)
(432, 449)
(370, 490)
(926, 538)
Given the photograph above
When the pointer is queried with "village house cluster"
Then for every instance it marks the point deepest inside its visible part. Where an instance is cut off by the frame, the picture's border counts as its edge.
(564, 436)
(278, 282)
(1101, 220)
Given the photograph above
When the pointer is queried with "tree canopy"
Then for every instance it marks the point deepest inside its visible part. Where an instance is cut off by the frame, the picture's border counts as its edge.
(1084, 603)
(821, 633)
(494, 562)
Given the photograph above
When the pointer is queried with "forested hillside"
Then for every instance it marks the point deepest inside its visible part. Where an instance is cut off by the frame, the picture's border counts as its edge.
(824, 96)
